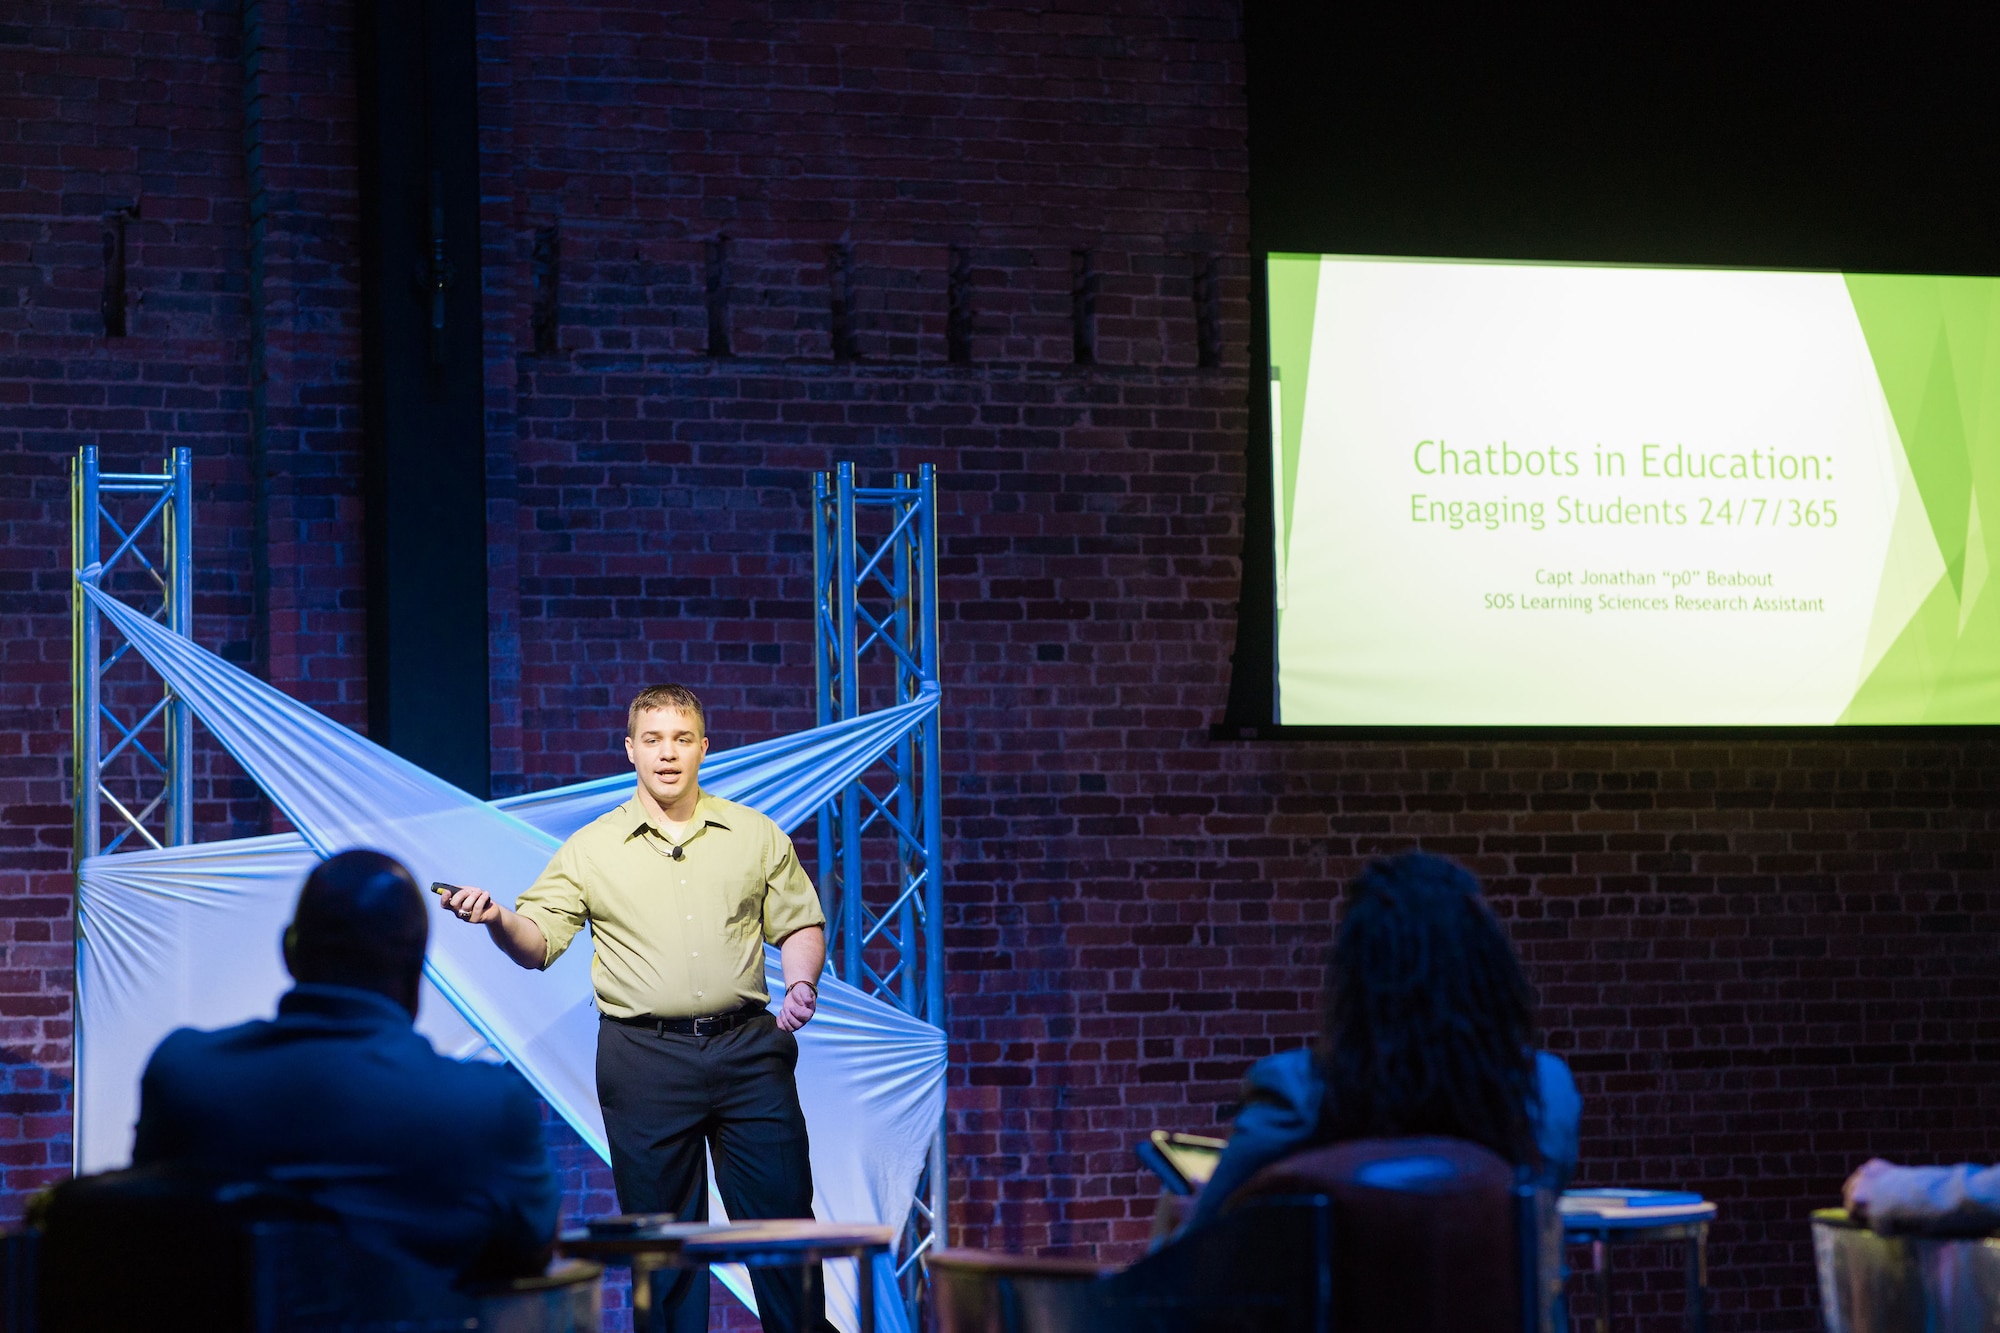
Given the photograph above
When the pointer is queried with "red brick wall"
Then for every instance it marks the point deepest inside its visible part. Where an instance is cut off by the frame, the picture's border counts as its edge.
(100, 108)
(1765, 959)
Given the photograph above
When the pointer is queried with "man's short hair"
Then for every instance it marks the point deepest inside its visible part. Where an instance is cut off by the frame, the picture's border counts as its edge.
(360, 922)
(665, 696)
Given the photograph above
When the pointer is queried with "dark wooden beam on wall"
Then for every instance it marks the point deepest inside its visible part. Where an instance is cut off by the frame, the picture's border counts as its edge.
(423, 408)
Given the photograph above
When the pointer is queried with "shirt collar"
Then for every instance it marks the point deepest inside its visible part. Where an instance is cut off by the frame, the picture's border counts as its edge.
(707, 810)
(316, 1001)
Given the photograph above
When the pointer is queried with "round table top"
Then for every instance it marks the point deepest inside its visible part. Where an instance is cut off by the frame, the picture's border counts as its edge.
(709, 1241)
(657, 1239)
(785, 1236)
(999, 1264)
(1840, 1219)
(1599, 1211)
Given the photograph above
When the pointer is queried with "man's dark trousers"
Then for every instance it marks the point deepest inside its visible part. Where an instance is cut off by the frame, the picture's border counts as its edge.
(665, 1096)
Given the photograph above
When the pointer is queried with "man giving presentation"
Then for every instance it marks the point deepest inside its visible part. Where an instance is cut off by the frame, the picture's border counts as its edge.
(681, 890)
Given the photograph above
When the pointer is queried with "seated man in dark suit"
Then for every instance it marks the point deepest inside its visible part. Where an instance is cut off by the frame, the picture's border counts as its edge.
(428, 1160)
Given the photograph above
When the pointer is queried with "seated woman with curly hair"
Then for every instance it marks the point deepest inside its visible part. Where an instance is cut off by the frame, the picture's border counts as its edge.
(1429, 1029)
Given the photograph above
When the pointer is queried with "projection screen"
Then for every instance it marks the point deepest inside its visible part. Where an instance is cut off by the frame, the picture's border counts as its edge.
(1513, 494)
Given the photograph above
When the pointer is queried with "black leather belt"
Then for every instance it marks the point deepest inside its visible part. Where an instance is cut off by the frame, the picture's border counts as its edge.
(710, 1026)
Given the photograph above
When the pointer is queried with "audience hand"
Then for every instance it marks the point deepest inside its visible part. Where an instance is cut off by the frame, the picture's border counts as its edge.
(1857, 1193)
(1170, 1214)
(474, 905)
(801, 1003)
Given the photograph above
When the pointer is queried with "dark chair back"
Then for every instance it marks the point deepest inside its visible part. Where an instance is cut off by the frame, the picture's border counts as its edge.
(20, 1263)
(1380, 1236)
(1428, 1235)
(171, 1249)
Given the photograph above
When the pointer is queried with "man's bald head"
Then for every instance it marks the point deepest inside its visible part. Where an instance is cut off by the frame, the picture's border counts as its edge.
(360, 922)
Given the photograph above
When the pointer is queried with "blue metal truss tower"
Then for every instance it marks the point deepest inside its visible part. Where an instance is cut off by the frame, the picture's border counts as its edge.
(881, 841)
(146, 520)
(132, 533)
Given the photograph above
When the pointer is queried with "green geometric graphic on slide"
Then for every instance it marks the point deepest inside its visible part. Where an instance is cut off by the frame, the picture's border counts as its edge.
(1293, 288)
(1935, 343)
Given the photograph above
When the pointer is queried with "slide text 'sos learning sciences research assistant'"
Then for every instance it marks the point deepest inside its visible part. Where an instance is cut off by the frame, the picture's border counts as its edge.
(1650, 486)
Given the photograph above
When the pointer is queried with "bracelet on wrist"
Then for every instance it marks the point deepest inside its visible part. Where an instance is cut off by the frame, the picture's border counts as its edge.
(807, 984)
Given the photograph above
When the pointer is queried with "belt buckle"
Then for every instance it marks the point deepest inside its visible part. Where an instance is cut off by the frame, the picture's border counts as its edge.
(708, 1026)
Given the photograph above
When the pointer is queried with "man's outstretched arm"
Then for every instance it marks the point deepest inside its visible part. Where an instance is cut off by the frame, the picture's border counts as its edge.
(518, 937)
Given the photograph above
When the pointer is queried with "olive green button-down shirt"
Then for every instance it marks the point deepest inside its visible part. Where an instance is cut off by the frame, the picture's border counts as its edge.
(674, 939)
